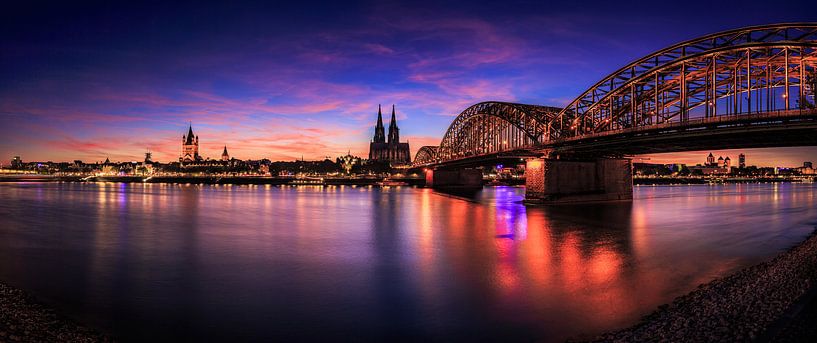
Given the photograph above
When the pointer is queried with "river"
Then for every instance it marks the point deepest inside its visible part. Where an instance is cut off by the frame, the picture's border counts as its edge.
(148, 262)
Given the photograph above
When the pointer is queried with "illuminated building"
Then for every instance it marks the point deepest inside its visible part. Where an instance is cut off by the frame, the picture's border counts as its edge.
(224, 155)
(16, 162)
(348, 162)
(711, 167)
(742, 161)
(190, 147)
(392, 150)
(806, 169)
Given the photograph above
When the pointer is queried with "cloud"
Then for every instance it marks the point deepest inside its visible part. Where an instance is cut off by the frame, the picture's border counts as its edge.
(283, 88)
(379, 49)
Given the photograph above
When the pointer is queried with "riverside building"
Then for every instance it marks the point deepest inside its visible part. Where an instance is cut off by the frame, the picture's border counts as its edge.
(391, 150)
(190, 147)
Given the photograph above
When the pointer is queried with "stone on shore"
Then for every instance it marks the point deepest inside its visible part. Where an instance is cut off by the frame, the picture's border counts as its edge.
(23, 319)
(742, 307)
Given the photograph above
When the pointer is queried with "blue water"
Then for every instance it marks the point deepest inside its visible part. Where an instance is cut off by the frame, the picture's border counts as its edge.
(247, 263)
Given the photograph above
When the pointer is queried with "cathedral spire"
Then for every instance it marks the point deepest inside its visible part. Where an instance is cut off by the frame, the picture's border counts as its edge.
(394, 132)
(379, 131)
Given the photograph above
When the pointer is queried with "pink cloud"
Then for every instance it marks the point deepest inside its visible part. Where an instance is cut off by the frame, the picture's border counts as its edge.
(379, 49)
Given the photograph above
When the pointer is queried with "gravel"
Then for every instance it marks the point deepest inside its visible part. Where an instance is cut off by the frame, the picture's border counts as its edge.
(23, 319)
(736, 308)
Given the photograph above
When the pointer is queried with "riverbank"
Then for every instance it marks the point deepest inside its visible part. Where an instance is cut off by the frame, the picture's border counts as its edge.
(764, 302)
(647, 181)
(24, 319)
(224, 180)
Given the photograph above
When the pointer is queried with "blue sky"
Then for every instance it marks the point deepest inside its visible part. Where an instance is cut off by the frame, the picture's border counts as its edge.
(281, 80)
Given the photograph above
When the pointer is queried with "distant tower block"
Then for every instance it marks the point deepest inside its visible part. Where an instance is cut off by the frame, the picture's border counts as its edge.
(224, 155)
(727, 162)
(190, 147)
(742, 161)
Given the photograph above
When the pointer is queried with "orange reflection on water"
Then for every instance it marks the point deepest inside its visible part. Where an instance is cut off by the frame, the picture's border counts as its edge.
(367, 259)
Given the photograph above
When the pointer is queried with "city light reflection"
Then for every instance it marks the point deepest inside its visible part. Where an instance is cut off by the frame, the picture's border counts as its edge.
(396, 258)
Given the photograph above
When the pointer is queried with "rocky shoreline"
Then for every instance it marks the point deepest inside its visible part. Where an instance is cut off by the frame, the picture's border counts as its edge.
(754, 304)
(23, 319)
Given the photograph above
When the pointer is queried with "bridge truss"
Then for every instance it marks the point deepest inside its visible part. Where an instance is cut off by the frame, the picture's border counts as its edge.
(426, 155)
(751, 70)
(491, 127)
(732, 75)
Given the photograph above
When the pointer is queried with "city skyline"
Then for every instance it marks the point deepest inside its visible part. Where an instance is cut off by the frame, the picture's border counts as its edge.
(773, 155)
(388, 170)
(104, 88)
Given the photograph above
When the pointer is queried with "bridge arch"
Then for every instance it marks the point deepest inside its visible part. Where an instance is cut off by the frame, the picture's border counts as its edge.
(733, 73)
(491, 127)
(761, 79)
(426, 155)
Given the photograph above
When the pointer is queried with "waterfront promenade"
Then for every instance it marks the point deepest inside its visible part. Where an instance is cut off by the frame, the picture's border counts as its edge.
(223, 180)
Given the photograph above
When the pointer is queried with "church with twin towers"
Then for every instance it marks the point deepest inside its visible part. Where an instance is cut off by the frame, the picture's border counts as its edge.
(388, 150)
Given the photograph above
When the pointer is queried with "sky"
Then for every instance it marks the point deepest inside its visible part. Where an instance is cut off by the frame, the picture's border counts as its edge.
(285, 80)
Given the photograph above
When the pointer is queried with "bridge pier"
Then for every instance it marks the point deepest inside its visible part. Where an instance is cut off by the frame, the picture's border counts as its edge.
(457, 178)
(558, 181)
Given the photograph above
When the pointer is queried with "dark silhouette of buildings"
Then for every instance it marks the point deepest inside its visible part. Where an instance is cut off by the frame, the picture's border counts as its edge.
(391, 151)
(16, 162)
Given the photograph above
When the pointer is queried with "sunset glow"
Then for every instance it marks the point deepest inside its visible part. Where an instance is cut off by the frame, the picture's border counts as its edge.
(91, 82)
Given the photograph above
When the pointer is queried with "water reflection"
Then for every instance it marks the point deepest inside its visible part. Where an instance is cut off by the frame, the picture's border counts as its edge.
(570, 260)
(190, 262)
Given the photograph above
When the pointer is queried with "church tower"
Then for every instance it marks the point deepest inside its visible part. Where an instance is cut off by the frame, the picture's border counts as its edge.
(224, 155)
(190, 147)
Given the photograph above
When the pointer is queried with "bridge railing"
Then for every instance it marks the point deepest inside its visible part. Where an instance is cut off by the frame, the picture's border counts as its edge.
(690, 123)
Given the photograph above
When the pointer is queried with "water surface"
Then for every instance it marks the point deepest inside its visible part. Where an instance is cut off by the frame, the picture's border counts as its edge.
(193, 262)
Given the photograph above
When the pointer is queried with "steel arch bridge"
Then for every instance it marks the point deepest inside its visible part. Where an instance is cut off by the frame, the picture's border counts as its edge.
(743, 80)
(426, 155)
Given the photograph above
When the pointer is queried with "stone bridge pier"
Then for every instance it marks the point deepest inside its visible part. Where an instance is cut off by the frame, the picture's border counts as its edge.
(557, 181)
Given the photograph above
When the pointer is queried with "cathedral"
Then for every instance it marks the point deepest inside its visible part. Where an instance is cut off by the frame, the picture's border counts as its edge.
(392, 150)
(190, 147)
